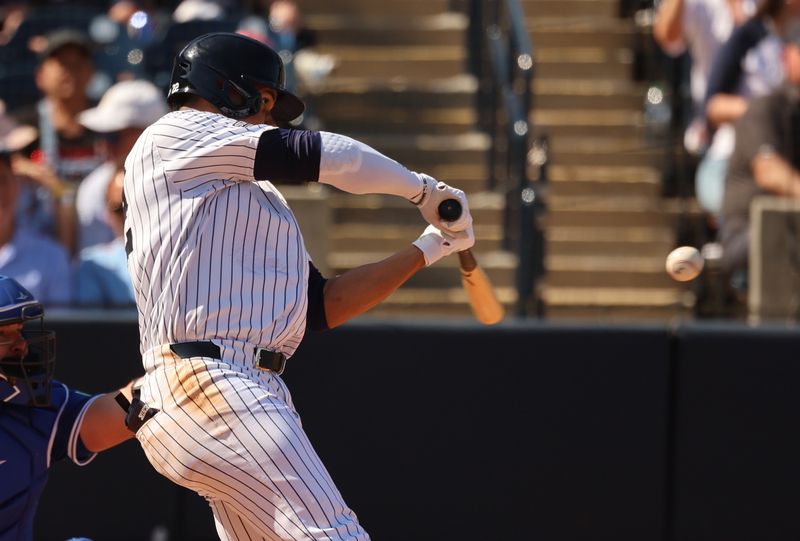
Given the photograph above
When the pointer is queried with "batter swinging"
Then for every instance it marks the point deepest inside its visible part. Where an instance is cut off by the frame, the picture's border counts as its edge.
(225, 288)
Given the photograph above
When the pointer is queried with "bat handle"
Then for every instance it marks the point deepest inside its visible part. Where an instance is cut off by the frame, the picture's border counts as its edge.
(449, 210)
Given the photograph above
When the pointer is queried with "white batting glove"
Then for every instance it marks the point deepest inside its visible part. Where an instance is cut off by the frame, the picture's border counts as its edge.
(432, 194)
(436, 244)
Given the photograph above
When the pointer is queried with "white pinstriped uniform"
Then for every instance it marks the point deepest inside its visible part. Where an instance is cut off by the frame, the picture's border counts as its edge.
(218, 256)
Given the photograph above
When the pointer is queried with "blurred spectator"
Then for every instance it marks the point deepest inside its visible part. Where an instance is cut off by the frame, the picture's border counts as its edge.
(203, 10)
(279, 24)
(766, 159)
(125, 110)
(11, 16)
(748, 65)
(65, 151)
(123, 34)
(699, 27)
(101, 276)
(38, 263)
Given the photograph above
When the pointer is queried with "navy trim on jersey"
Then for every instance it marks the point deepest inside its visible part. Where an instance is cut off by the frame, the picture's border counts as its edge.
(316, 320)
(290, 156)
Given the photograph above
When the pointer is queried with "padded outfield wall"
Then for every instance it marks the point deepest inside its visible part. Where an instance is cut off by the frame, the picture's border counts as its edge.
(534, 431)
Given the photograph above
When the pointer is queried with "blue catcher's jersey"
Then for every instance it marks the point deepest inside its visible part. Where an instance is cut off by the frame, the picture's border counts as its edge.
(30, 440)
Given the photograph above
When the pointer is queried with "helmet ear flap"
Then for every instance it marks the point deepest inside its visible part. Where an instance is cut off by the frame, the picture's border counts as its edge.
(238, 102)
(233, 99)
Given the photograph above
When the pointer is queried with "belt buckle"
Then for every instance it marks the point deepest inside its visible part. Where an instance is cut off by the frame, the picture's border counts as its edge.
(281, 366)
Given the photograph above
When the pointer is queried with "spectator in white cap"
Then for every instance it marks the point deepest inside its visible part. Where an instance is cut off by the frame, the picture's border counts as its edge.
(124, 111)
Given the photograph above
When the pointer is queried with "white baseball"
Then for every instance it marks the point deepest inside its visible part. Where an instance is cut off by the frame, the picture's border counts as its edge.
(684, 263)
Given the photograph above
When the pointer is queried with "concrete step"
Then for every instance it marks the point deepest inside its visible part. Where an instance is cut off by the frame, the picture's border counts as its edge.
(607, 270)
(607, 263)
(470, 178)
(397, 62)
(610, 151)
(616, 248)
(584, 63)
(570, 8)
(611, 202)
(399, 8)
(573, 123)
(393, 120)
(607, 279)
(580, 31)
(376, 93)
(425, 152)
(582, 173)
(387, 29)
(591, 94)
(600, 188)
(608, 217)
(618, 303)
(382, 237)
(599, 234)
(616, 297)
(499, 266)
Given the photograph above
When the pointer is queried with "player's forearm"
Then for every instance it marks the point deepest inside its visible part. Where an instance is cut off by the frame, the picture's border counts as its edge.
(723, 108)
(103, 426)
(359, 289)
(357, 168)
(668, 25)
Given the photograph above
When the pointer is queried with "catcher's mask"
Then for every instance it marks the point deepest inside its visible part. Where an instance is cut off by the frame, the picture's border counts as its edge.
(225, 67)
(27, 355)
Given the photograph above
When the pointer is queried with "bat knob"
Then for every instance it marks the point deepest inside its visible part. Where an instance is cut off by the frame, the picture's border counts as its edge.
(449, 210)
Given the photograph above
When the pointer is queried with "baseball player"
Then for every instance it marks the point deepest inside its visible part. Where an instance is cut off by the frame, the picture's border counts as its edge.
(42, 420)
(225, 288)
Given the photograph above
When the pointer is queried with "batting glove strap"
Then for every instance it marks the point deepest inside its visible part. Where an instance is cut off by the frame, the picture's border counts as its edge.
(435, 244)
(138, 414)
(433, 193)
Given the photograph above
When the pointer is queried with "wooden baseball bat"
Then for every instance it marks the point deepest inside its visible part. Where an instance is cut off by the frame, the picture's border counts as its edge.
(482, 298)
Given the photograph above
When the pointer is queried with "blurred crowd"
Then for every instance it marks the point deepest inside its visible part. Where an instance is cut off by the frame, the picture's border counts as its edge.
(79, 82)
(743, 126)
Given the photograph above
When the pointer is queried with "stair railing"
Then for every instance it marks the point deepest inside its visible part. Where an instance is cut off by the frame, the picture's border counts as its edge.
(501, 57)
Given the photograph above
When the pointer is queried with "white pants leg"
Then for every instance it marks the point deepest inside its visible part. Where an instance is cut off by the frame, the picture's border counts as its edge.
(239, 443)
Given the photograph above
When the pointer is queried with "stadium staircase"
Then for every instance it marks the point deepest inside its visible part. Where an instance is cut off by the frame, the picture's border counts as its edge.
(401, 84)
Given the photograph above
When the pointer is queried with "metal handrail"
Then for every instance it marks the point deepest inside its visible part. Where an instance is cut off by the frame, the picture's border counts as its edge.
(503, 62)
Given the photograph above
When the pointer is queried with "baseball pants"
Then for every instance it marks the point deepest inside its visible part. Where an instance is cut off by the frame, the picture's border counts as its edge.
(236, 439)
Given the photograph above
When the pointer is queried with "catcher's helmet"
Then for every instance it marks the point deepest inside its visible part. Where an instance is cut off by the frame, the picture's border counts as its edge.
(223, 68)
(26, 366)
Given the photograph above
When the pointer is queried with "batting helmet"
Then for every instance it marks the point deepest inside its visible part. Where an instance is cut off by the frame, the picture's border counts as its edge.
(224, 68)
(27, 364)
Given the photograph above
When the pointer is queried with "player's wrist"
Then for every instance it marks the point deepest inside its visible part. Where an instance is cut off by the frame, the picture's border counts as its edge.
(430, 247)
(426, 186)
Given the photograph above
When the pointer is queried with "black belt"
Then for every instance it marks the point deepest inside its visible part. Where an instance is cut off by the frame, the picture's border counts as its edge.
(274, 361)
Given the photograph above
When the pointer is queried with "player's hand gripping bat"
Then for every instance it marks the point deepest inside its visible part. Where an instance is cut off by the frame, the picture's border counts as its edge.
(482, 299)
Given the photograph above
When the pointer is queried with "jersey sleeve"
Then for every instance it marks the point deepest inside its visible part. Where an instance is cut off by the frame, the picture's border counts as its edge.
(66, 440)
(726, 69)
(199, 148)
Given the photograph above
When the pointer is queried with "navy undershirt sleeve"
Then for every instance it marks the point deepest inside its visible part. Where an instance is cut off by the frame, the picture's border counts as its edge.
(726, 70)
(315, 317)
(288, 156)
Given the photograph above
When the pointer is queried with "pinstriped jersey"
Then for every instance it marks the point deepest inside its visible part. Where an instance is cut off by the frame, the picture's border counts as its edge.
(213, 253)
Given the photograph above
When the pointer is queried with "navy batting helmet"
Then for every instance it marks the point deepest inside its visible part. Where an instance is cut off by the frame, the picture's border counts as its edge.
(224, 68)
(27, 360)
